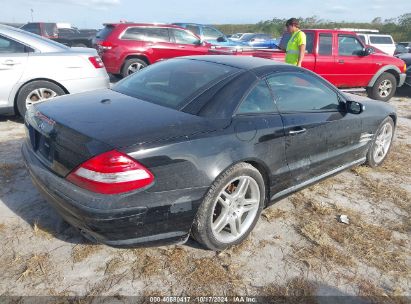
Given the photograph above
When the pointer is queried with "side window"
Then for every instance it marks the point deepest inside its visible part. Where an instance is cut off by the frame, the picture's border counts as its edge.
(349, 46)
(258, 100)
(184, 37)
(194, 29)
(381, 40)
(8, 46)
(210, 33)
(157, 34)
(134, 33)
(309, 48)
(325, 45)
(298, 92)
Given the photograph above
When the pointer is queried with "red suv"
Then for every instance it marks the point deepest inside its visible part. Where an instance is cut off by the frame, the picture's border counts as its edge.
(128, 47)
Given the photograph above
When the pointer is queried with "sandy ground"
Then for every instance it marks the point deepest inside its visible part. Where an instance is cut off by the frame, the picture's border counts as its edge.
(297, 248)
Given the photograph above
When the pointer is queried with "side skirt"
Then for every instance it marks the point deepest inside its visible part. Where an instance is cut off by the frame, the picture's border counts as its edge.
(314, 180)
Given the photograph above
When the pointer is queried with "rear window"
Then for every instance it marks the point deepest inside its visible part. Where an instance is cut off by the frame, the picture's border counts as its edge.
(105, 32)
(171, 83)
(381, 40)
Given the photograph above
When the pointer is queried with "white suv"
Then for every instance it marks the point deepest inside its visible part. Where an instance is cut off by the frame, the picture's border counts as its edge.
(382, 42)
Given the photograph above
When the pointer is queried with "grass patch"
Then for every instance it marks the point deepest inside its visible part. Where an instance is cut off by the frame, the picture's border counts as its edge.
(271, 213)
(384, 191)
(83, 252)
(36, 266)
(375, 294)
(326, 255)
(42, 232)
(338, 243)
(398, 161)
(297, 290)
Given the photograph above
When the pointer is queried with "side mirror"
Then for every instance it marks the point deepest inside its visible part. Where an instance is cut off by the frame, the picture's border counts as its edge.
(221, 39)
(198, 42)
(368, 51)
(355, 107)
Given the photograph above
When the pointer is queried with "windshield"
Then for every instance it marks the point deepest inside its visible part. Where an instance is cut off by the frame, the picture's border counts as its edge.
(171, 83)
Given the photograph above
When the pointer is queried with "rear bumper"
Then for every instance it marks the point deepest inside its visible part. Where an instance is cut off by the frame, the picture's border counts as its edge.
(131, 219)
(73, 86)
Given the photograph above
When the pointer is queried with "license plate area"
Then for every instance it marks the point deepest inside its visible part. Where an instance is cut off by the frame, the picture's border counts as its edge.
(41, 144)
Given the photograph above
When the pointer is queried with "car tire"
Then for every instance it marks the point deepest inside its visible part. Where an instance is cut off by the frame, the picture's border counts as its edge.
(132, 65)
(384, 87)
(381, 143)
(36, 91)
(217, 227)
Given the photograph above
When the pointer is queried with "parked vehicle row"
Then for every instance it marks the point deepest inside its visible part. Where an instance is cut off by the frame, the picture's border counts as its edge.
(197, 145)
(67, 36)
(128, 47)
(33, 69)
(343, 59)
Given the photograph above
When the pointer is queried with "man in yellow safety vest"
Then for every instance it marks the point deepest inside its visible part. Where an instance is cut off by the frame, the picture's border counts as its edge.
(296, 45)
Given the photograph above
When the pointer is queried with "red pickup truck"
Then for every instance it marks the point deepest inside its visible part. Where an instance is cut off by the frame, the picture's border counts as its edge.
(343, 59)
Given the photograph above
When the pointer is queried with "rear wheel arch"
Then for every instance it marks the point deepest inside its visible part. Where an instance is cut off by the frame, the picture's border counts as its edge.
(30, 81)
(260, 166)
(127, 59)
(264, 171)
(137, 56)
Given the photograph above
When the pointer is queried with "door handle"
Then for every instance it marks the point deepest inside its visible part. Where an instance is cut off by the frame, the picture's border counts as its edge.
(297, 131)
(10, 62)
(341, 61)
(181, 46)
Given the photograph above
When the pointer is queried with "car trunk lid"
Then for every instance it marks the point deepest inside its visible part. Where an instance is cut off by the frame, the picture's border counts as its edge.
(68, 130)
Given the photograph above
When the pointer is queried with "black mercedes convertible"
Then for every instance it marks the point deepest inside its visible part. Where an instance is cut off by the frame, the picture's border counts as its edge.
(196, 146)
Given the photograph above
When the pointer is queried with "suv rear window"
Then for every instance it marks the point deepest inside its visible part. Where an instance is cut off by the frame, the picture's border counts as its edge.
(381, 40)
(171, 83)
(105, 32)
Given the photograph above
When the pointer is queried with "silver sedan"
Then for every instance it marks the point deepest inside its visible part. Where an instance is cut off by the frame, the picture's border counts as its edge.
(33, 69)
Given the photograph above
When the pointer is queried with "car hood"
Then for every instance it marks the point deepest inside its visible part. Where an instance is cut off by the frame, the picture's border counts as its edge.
(120, 121)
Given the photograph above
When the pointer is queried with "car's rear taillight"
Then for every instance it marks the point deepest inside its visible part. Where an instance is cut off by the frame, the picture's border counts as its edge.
(105, 45)
(96, 62)
(111, 173)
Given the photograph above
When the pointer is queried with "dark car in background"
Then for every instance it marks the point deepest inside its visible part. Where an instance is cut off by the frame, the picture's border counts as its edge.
(67, 36)
(128, 47)
(196, 145)
(407, 59)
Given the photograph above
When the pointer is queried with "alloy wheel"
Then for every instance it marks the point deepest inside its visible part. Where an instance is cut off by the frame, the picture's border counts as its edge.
(383, 142)
(134, 67)
(235, 209)
(385, 88)
(38, 95)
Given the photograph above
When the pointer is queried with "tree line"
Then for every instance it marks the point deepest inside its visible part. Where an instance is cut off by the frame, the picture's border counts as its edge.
(399, 28)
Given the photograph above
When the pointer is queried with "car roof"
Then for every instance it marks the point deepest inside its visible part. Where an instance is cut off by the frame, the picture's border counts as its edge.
(127, 24)
(241, 62)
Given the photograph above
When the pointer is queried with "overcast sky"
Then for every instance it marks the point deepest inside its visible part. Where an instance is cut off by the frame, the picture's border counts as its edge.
(92, 13)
